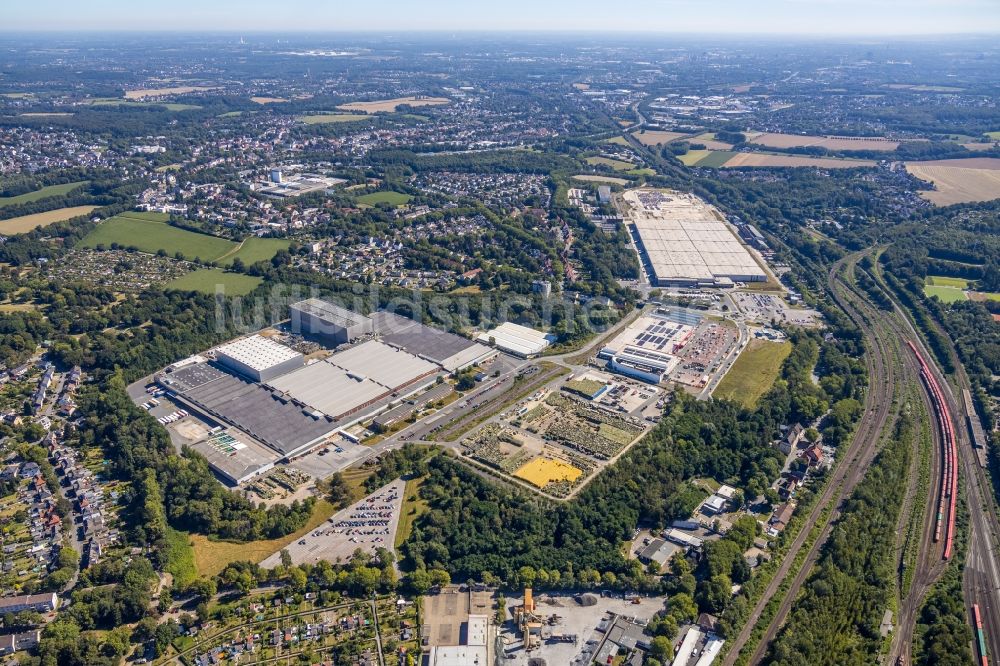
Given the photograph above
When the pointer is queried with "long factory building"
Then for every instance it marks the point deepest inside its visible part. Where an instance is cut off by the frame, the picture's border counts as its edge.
(686, 243)
(267, 392)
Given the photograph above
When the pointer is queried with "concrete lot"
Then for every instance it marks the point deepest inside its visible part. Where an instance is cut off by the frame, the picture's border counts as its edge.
(358, 526)
(320, 465)
(575, 619)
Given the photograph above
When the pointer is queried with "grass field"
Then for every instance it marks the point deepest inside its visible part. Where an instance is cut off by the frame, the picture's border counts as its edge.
(325, 118)
(50, 191)
(617, 140)
(411, 510)
(204, 280)
(994, 135)
(946, 294)
(941, 281)
(180, 557)
(391, 198)
(754, 372)
(255, 249)
(149, 235)
(211, 557)
(541, 470)
(617, 165)
(641, 172)
(19, 225)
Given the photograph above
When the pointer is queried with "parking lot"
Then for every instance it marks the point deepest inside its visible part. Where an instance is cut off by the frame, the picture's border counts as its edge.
(367, 524)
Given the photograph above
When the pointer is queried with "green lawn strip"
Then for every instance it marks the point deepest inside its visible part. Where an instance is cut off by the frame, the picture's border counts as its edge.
(205, 280)
(388, 197)
(45, 192)
(946, 294)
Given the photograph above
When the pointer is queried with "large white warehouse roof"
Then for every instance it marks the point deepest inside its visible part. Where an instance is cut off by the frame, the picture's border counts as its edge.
(258, 352)
(516, 339)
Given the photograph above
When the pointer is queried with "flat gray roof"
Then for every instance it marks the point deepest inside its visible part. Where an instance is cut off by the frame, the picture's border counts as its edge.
(442, 347)
(330, 312)
(328, 388)
(390, 367)
(233, 456)
(279, 423)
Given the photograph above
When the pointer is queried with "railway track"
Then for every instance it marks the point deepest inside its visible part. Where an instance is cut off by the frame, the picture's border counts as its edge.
(848, 472)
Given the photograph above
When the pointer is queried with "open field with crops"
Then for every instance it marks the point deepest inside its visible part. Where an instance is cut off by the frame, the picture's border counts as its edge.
(772, 140)
(19, 225)
(158, 92)
(390, 105)
(268, 100)
(50, 191)
(328, 118)
(205, 280)
(591, 178)
(754, 372)
(763, 160)
(656, 137)
(959, 181)
(617, 165)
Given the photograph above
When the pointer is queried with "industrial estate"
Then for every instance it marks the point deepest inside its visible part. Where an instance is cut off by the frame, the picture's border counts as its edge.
(486, 349)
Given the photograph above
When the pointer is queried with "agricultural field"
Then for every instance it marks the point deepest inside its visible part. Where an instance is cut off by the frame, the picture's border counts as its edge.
(617, 165)
(268, 100)
(390, 105)
(591, 178)
(328, 118)
(617, 140)
(542, 471)
(706, 158)
(959, 181)
(150, 235)
(255, 249)
(754, 372)
(169, 106)
(772, 140)
(657, 138)
(158, 92)
(50, 191)
(391, 198)
(764, 160)
(20, 225)
(46, 114)
(710, 142)
(994, 135)
(206, 280)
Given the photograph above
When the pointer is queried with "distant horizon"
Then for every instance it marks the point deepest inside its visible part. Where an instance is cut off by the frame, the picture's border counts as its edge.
(804, 18)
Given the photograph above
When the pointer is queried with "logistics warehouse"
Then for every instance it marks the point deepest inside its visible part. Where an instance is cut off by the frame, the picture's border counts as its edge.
(262, 401)
(684, 242)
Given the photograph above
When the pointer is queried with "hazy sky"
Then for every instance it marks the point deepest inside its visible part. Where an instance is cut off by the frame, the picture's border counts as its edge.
(814, 17)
